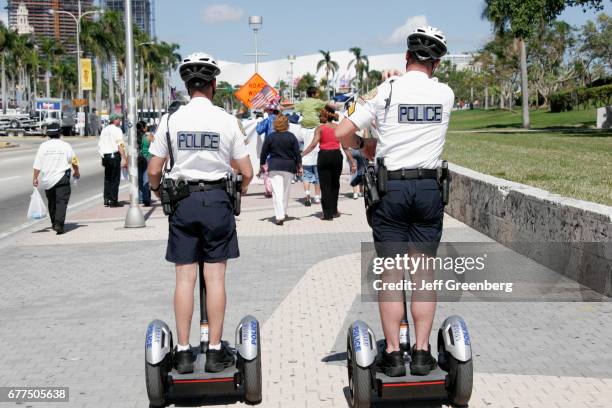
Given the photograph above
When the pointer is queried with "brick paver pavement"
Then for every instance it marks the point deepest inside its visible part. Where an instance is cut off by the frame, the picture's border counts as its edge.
(74, 309)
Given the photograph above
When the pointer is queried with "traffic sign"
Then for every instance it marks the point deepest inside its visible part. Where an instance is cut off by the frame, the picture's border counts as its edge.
(77, 103)
(251, 88)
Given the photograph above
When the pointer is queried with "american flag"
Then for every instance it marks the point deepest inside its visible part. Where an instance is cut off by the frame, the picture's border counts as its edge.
(264, 97)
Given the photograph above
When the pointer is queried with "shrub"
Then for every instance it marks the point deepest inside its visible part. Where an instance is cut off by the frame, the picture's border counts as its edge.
(581, 97)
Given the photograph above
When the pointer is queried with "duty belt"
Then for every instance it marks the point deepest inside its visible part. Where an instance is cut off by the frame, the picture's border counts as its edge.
(412, 174)
(205, 185)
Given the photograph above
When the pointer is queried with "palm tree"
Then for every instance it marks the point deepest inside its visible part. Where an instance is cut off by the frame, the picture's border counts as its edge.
(330, 66)
(374, 78)
(361, 64)
(500, 21)
(51, 51)
(93, 41)
(7, 39)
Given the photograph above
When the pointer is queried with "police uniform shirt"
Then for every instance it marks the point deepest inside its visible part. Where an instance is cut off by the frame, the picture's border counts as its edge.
(53, 158)
(412, 129)
(204, 140)
(110, 140)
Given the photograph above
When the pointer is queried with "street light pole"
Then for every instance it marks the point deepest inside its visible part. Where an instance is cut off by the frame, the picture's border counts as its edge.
(77, 22)
(255, 22)
(291, 59)
(134, 217)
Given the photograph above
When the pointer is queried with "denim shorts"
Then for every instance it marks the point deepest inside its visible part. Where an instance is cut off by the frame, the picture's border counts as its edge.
(311, 175)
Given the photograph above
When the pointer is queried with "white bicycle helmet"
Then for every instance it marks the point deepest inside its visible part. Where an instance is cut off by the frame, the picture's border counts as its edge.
(427, 43)
(199, 65)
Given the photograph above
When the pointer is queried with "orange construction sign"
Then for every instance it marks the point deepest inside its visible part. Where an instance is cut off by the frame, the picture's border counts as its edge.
(250, 89)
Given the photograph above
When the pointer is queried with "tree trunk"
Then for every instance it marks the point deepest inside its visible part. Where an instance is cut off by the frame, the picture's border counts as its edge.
(486, 98)
(524, 84)
(141, 83)
(111, 88)
(47, 83)
(4, 99)
(501, 97)
(98, 66)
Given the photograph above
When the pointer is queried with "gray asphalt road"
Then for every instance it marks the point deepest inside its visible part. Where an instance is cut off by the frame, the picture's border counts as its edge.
(16, 177)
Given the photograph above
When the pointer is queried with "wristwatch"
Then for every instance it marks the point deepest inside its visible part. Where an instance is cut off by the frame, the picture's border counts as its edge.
(155, 190)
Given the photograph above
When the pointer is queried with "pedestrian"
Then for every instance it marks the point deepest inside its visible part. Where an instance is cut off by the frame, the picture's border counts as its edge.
(205, 141)
(329, 162)
(52, 169)
(111, 147)
(310, 108)
(284, 162)
(411, 113)
(358, 172)
(143, 139)
(265, 127)
(94, 123)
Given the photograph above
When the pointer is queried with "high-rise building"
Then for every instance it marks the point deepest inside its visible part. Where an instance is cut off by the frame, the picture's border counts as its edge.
(142, 13)
(62, 27)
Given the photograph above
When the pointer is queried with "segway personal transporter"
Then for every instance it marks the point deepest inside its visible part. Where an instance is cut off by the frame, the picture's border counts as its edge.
(451, 381)
(164, 383)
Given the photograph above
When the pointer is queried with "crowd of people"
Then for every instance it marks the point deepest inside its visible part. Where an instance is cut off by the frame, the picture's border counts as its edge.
(310, 152)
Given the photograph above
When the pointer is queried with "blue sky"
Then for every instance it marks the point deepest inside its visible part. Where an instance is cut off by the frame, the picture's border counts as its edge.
(303, 27)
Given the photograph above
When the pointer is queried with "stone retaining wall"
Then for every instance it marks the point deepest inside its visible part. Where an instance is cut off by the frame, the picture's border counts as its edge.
(570, 236)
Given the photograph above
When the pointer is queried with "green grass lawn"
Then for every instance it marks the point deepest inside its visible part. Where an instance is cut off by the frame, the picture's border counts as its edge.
(577, 165)
(501, 119)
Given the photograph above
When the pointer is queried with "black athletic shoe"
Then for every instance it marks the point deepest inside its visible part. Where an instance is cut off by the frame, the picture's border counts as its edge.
(59, 229)
(183, 361)
(307, 201)
(115, 204)
(219, 360)
(422, 362)
(107, 203)
(392, 364)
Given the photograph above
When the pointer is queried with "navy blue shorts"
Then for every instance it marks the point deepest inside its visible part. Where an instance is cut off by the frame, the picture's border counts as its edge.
(410, 213)
(203, 228)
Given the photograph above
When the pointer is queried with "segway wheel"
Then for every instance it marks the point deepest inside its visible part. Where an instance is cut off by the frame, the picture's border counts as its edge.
(462, 379)
(360, 379)
(252, 375)
(156, 389)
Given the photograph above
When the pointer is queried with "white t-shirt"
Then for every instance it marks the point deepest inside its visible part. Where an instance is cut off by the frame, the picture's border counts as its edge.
(110, 140)
(53, 158)
(412, 130)
(305, 136)
(204, 140)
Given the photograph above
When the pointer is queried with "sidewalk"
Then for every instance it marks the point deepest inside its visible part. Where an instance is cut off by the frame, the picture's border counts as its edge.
(75, 309)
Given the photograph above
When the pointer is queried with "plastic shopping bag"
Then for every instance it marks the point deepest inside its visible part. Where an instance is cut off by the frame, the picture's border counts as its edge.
(37, 208)
(125, 175)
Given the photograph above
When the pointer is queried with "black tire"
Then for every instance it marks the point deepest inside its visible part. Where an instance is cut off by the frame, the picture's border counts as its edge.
(360, 379)
(462, 379)
(15, 124)
(252, 376)
(156, 388)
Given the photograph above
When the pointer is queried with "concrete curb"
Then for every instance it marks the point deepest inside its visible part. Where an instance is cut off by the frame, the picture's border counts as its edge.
(567, 235)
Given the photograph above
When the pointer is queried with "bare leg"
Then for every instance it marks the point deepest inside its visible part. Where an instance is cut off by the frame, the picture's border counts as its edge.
(318, 190)
(306, 188)
(214, 276)
(391, 307)
(186, 275)
(423, 309)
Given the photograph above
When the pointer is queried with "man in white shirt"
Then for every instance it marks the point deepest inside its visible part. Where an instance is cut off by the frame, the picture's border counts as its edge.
(411, 113)
(52, 172)
(206, 143)
(111, 147)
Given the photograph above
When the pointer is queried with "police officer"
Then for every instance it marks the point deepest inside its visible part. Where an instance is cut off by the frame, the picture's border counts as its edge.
(111, 148)
(411, 113)
(206, 142)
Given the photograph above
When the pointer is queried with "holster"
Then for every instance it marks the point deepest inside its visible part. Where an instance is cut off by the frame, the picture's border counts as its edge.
(370, 191)
(444, 181)
(233, 188)
(172, 192)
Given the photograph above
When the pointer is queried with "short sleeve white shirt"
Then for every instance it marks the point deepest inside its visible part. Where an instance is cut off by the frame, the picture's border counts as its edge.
(53, 158)
(110, 140)
(412, 128)
(204, 140)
